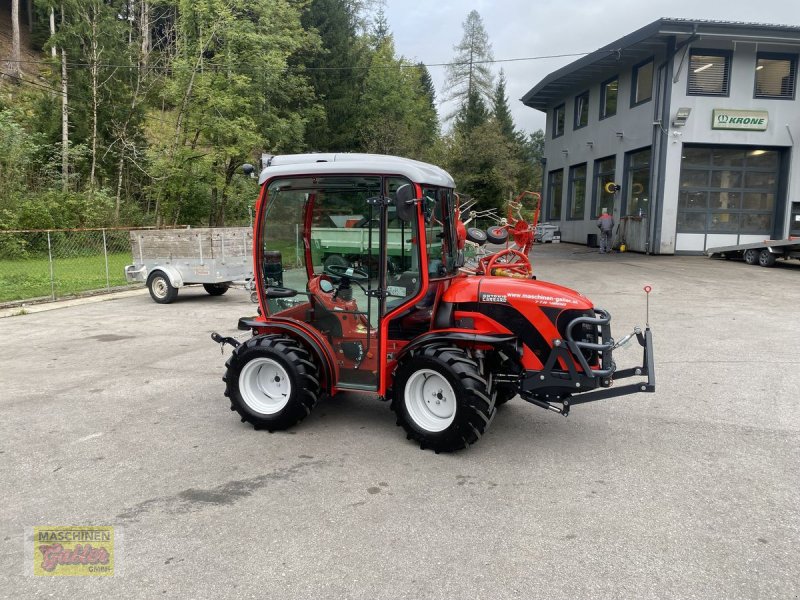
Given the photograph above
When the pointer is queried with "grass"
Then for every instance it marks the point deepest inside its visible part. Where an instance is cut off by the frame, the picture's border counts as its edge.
(30, 278)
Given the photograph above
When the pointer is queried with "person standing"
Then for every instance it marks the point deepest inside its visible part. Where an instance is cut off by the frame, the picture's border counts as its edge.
(606, 225)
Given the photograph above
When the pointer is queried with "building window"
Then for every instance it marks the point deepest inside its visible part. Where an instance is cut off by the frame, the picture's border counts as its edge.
(709, 73)
(577, 191)
(604, 172)
(776, 75)
(558, 121)
(637, 189)
(555, 188)
(608, 98)
(642, 90)
(581, 110)
(727, 190)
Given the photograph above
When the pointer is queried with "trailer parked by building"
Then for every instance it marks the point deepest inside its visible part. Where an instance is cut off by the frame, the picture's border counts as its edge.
(764, 253)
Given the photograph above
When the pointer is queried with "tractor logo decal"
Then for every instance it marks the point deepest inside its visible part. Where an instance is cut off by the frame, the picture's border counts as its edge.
(493, 298)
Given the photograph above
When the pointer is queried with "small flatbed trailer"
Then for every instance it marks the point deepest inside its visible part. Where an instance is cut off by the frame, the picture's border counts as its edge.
(168, 259)
(765, 253)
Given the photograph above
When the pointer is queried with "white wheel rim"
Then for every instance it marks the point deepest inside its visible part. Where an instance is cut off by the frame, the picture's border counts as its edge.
(160, 287)
(430, 400)
(265, 386)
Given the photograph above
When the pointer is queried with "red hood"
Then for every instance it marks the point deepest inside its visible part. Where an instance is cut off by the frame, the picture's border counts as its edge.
(502, 290)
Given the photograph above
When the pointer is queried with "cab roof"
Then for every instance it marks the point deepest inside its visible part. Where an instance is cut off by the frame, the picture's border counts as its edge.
(289, 165)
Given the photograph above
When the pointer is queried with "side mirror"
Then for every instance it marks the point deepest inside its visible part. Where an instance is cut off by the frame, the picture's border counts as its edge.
(404, 202)
(248, 169)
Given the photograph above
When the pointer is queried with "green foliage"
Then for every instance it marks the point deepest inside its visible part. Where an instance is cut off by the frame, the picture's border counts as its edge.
(485, 164)
(336, 72)
(396, 115)
(162, 117)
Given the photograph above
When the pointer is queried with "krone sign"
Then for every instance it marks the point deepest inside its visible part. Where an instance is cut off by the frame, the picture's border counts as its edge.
(751, 120)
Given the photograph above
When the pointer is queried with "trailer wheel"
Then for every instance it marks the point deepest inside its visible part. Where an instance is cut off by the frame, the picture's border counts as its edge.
(441, 399)
(751, 256)
(272, 382)
(766, 258)
(216, 289)
(161, 290)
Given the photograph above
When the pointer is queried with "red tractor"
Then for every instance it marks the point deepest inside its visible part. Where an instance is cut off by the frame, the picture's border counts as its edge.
(361, 287)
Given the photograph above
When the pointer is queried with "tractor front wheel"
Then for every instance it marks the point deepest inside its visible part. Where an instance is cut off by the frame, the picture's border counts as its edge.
(272, 382)
(441, 398)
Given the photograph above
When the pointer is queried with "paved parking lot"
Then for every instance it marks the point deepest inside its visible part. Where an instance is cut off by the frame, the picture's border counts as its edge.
(113, 414)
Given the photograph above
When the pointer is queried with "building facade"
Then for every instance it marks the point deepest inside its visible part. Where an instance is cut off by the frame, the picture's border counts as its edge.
(684, 130)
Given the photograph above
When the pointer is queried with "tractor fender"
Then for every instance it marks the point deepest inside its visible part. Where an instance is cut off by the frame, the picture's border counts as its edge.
(318, 346)
(174, 276)
(466, 337)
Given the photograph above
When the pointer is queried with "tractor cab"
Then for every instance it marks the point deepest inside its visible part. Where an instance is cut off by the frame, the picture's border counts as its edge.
(356, 253)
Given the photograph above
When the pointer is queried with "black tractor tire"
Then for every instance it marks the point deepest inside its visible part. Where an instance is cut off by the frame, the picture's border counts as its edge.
(504, 393)
(161, 289)
(460, 407)
(216, 289)
(497, 234)
(272, 382)
(766, 258)
(751, 256)
(476, 236)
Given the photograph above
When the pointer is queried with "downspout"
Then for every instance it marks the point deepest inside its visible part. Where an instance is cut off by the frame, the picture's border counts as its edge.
(657, 207)
(788, 212)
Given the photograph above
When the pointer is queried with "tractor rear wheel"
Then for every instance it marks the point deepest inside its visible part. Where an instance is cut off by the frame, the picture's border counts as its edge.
(272, 382)
(441, 398)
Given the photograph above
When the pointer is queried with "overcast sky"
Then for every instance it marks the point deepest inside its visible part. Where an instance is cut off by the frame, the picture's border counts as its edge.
(427, 30)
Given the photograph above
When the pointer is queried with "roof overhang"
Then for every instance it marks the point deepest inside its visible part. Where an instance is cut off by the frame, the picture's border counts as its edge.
(289, 165)
(642, 44)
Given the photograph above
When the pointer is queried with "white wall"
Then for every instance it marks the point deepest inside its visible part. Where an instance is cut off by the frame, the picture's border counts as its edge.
(698, 126)
(636, 126)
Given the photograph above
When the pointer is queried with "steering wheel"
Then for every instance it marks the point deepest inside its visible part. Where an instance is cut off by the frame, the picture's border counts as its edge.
(512, 261)
(354, 273)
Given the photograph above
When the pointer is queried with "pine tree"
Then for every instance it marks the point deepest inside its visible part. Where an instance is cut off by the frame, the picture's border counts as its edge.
(336, 74)
(501, 110)
(469, 79)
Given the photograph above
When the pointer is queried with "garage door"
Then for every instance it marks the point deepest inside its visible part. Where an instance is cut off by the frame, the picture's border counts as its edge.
(727, 196)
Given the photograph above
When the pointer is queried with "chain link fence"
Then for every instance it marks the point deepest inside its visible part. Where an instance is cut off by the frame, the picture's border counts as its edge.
(53, 264)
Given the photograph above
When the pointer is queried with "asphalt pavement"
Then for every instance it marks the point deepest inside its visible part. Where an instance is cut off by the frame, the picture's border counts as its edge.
(113, 414)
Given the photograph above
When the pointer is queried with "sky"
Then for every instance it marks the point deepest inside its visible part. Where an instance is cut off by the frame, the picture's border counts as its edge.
(426, 31)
